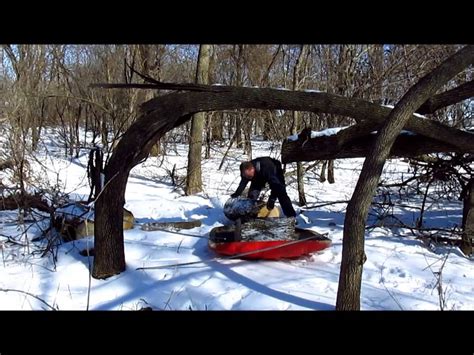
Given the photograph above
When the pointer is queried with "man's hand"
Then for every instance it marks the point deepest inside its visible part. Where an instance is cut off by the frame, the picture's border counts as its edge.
(270, 204)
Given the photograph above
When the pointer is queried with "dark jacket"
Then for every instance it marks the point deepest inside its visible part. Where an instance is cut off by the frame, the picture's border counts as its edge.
(267, 170)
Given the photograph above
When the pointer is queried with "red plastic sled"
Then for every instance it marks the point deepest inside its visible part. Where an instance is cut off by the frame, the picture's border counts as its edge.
(221, 240)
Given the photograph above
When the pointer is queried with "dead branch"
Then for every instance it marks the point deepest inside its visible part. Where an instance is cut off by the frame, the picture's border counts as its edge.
(324, 204)
(29, 294)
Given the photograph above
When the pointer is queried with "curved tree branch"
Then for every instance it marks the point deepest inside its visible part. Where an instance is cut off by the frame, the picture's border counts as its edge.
(372, 115)
(353, 255)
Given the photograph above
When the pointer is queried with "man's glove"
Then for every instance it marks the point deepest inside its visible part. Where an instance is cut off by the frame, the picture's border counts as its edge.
(270, 204)
(234, 195)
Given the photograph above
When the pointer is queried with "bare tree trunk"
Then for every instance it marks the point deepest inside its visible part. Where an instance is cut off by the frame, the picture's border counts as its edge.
(194, 179)
(331, 171)
(267, 126)
(238, 81)
(468, 219)
(248, 137)
(208, 134)
(217, 126)
(300, 175)
(343, 83)
(238, 130)
(298, 78)
(377, 70)
(322, 176)
(353, 255)
(109, 256)
(148, 65)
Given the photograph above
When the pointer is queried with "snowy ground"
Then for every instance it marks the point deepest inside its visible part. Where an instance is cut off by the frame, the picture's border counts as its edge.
(400, 272)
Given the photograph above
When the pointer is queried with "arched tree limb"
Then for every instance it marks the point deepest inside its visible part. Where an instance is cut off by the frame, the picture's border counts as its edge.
(368, 113)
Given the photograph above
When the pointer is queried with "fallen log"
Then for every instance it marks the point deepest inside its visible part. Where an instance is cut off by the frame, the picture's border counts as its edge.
(156, 226)
(17, 200)
(331, 147)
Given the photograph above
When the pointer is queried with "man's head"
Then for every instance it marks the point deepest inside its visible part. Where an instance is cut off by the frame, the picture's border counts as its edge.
(247, 170)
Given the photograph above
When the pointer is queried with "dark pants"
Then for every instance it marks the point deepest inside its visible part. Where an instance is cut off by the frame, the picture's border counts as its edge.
(278, 191)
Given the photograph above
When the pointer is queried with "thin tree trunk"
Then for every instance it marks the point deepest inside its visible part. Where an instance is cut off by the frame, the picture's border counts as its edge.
(238, 130)
(238, 80)
(217, 126)
(331, 171)
(467, 245)
(194, 178)
(208, 133)
(376, 55)
(300, 175)
(322, 176)
(298, 75)
(146, 65)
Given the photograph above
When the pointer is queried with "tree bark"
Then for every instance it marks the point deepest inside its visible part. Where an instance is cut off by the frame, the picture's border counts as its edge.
(238, 52)
(331, 179)
(298, 75)
(147, 65)
(109, 256)
(194, 174)
(322, 175)
(353, 256)
(467, 244)
(376, 58)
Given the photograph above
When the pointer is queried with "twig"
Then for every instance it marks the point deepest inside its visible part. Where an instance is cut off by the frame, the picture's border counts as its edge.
(324, 204)
(401, 224)
(185, 234)
(56, 296)
(439, 282)
(168, 301)
(386, 289)
(441, 294)
(179, 246)
(90, 276)
(403, 183)
(393, 297)
(3, 254)
(28, 294)
(423, 203)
